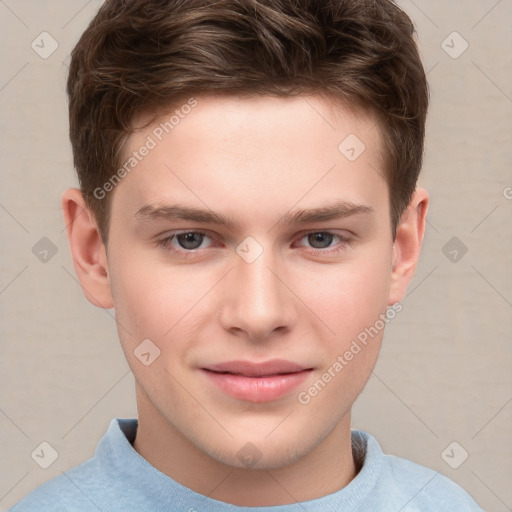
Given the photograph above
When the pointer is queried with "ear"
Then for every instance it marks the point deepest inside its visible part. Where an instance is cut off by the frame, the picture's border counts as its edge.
(407, 245)
(87, 249)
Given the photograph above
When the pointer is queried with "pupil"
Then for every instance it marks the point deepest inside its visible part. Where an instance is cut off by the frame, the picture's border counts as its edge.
(190, 240)
(324, 239)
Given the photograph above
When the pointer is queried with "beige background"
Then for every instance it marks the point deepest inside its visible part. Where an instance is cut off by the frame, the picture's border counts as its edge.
(445, 370)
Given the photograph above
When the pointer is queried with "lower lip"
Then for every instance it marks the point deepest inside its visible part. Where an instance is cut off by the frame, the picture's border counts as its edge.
(257, 389)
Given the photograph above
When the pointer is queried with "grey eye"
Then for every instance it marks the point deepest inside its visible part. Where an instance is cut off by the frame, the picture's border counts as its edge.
(190, 241)
(320, 240)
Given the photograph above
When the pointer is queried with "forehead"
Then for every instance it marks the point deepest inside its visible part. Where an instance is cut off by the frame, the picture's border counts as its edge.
(328, 107)
(208, 118)
(258, 151)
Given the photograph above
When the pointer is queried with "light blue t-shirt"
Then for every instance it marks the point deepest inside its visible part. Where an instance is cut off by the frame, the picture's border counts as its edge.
(118, 479)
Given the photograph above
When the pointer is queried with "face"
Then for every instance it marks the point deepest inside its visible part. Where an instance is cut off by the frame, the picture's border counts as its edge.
(256, 231)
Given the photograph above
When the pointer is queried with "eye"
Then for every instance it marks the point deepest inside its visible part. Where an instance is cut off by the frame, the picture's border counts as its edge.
(184, 241)
(192, 240)
(321, 241)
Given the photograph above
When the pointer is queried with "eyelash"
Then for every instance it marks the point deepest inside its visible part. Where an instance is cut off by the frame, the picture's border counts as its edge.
(165, 243)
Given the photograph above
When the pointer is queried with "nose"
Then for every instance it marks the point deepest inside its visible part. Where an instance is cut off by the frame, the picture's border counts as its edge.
(256, 302)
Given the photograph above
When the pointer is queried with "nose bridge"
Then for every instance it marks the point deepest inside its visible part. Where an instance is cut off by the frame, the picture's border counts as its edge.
(257, 301)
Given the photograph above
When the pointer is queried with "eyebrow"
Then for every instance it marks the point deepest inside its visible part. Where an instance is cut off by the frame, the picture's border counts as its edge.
(337, 210)
(176, 212)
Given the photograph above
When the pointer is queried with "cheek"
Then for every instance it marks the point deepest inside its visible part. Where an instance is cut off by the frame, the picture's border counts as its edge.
(152, 300)
(349, 297)
(351, 302)
(145, 289)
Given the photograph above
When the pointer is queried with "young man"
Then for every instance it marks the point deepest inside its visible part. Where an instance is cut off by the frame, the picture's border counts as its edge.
(248, 207)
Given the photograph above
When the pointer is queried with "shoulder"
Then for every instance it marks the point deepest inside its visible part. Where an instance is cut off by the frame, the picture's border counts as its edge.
(414, 488)
(427, 489)
(68, 491)
(93, 485)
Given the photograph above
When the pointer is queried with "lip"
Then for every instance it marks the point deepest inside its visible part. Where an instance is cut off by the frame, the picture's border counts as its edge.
(257, 382)
(249, 369)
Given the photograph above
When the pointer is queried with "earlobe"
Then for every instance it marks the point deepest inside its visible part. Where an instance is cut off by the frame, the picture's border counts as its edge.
(407, 245)
(87, 249)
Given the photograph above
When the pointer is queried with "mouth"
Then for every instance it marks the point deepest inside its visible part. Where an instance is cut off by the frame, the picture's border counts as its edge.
(264, 369)
(257, 382)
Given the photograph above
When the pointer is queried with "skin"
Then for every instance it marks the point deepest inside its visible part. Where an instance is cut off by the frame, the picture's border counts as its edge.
(254, 160)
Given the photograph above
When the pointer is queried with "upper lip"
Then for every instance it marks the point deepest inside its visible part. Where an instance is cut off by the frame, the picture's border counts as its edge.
(250, 369)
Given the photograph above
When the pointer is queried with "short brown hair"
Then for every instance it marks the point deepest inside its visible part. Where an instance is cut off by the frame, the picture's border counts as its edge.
(137, 55)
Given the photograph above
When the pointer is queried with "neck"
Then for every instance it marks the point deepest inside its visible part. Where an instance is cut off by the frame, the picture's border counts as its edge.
(327, 468)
